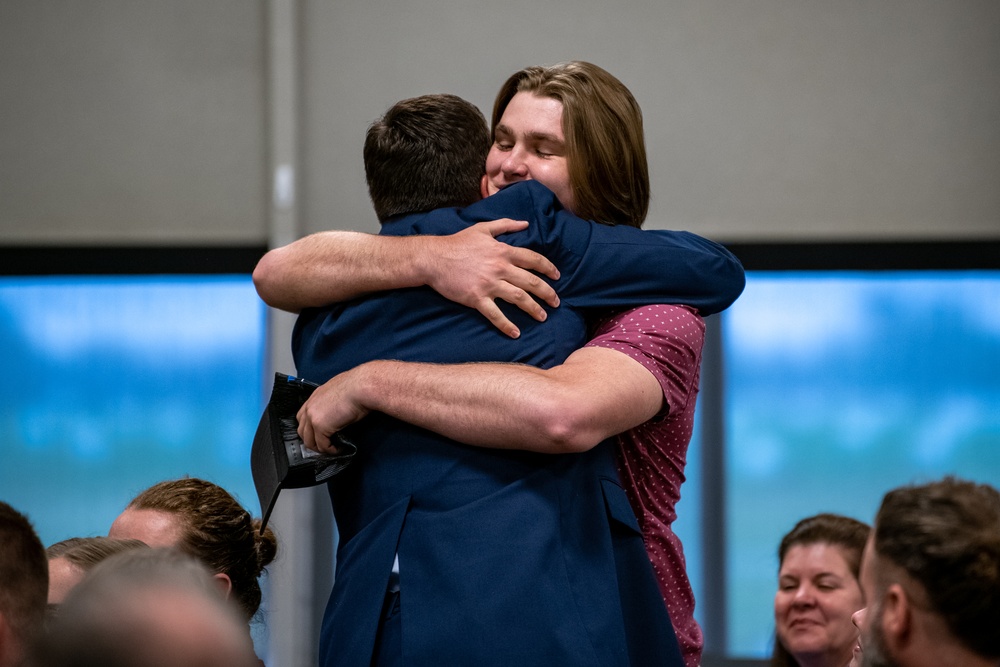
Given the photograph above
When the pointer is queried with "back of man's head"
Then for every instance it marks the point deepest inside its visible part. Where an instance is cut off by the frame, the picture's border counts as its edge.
(426, 152)
(24, 584)
(946, 537)
(147, 608)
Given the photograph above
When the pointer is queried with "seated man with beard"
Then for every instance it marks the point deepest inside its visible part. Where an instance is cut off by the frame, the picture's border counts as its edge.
(931, 576)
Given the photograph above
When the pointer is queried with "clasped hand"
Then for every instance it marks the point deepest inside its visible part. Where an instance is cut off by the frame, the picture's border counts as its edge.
(472, 268)
(331, 407)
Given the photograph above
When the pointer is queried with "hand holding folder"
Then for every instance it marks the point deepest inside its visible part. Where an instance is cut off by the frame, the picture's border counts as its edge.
(278, 458)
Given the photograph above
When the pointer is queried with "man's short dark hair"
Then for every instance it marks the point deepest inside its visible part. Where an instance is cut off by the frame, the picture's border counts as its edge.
(24, 575)
(425, 153)
(946, 536)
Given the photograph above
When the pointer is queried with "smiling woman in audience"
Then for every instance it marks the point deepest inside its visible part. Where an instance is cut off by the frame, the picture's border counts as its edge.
(818, 591)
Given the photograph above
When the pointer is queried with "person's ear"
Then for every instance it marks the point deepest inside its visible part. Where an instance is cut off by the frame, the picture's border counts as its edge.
(224, 583)
(484, 186)
(896, 618)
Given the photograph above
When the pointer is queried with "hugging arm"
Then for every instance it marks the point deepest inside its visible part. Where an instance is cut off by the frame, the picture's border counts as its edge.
(594, 394)
(642, 363)
(469, 267)
(608, 267)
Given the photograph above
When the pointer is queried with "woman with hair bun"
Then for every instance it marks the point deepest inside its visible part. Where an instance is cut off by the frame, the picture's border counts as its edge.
(204, 520)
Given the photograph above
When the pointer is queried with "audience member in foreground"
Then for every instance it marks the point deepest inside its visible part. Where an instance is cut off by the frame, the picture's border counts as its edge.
(818, 591)
(147, 608)
(71, 559)
(931, 575)
(23, 581)
(202, 519)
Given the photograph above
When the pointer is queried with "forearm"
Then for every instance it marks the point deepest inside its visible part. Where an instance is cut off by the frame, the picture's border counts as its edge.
(334, 266)
(469, 267)
(597, 393)
(484, 404)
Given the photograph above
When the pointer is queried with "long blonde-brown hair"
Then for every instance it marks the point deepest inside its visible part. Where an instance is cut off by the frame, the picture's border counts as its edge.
(605, 143)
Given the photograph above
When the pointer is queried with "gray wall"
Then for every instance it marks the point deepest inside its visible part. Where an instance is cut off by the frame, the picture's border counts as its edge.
(151, 121)
(766, 119)
(132, 121)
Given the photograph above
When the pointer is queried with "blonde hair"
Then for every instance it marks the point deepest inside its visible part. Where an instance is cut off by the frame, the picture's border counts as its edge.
(605, 143)
(86, 552)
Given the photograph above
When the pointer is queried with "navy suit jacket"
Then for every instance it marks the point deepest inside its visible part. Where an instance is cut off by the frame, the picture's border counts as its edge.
(506, 557)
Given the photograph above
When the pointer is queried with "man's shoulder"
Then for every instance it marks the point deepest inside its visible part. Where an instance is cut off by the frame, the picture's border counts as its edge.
(438, 221)
(525, 200)
(522, 200)
(416, 223)
(528, 189)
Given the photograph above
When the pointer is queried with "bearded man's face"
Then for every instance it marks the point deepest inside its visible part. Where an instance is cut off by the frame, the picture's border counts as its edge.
(873, 650)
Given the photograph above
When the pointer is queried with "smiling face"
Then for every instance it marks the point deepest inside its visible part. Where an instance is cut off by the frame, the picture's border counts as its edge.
(529, 145)
(817, 594)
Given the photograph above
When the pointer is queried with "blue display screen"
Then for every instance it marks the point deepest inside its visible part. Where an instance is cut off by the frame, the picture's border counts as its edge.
(115, 383)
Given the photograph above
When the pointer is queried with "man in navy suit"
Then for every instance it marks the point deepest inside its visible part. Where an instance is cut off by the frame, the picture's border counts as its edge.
(504, 557)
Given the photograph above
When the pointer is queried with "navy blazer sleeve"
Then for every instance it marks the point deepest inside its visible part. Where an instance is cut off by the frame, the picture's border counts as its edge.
(625, 266)
(601, 266)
